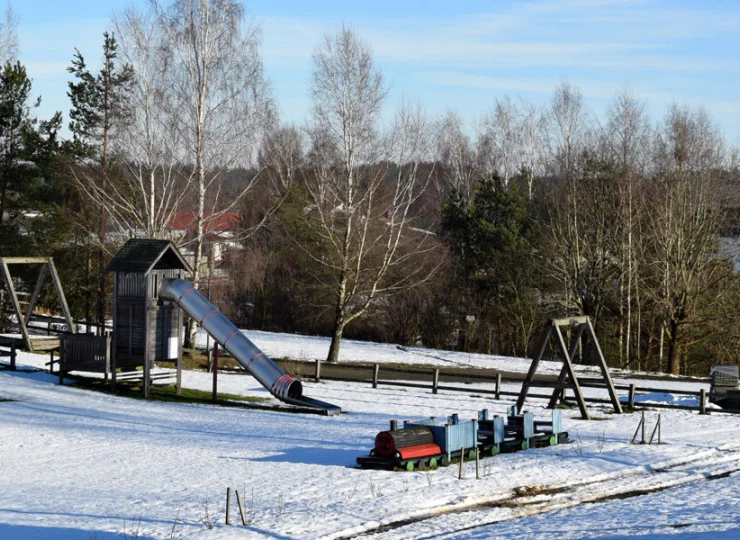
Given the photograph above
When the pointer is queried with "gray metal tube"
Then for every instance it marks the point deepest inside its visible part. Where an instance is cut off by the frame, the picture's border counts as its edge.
(280, 384)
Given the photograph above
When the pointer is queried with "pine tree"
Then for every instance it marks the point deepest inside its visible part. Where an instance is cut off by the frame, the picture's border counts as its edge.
(99, 103)
(27, 150)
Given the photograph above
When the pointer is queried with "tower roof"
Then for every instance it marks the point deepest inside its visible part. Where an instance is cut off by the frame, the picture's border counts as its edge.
(144, 255)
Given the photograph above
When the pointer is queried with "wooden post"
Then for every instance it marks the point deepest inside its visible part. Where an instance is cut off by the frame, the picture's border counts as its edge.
(702, 401)
(51, 362)
(113, 368)
(178, 384)
(228, 505)
(477, 464)
(498, 386)
(317, 374)
(148, 322)
(632, 397)
(14, 302)
(604, 369)
(215, 380)
(462, 461)
(376, 370)
(60, 296)
(35, 295)
(643, 427)
(659, 429)
(435, 381)
(241, 508)
(639, 425)
(12, 356)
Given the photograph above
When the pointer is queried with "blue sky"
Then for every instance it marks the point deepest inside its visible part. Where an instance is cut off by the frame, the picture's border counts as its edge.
(460, 54)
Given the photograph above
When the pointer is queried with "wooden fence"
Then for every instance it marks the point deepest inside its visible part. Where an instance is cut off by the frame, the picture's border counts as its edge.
(436, 379)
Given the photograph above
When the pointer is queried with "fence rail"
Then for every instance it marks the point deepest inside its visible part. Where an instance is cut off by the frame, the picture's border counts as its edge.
(432, 379)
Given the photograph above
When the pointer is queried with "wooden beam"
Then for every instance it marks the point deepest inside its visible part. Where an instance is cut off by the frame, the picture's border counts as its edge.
(25, 260)
(16, 306)
(570, 320)
(148, 354)
(575, 339)
(604, 370)
(36, 292)
(60, 296)
(533, 367)
(571, 373)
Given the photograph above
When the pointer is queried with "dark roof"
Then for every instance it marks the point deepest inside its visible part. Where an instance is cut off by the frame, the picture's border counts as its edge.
(143, 255)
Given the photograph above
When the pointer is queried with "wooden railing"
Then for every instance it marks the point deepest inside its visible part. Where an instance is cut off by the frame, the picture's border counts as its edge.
(85, 352)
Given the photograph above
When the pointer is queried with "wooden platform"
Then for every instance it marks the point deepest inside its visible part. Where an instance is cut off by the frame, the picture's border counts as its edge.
(38, 343)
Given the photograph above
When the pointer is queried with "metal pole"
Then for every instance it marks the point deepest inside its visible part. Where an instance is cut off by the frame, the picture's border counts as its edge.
(435, 381)
(215, 372)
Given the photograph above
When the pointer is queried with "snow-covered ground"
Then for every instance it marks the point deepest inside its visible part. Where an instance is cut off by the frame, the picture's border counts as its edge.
(80, 464)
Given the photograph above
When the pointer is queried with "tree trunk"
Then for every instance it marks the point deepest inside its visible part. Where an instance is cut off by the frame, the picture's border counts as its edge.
(674, 349)
(336, 337)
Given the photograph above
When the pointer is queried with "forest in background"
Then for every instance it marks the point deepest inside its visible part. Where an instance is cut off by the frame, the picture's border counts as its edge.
(393, 226)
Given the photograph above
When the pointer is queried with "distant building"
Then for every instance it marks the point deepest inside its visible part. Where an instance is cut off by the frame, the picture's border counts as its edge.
(220, 237)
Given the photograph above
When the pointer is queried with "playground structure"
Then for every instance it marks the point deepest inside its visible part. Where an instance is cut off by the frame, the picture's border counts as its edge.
(580, 327)
(725, 388)
(26, 335)
(429, 443)
(149, 299)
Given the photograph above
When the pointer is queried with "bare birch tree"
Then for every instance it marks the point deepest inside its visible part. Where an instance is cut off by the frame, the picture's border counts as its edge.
(363, 207)
(145, 200)
(458, 159)
(628, 141)
(9, 35)
(567, 126)
(220, 97)
(532, 132)
(689, 154)
(281, 155)
(503, 130)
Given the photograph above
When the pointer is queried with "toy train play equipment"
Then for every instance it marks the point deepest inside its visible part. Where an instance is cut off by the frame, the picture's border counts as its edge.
(430, 443)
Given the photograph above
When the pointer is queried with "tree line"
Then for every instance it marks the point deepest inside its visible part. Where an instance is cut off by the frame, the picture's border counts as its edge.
(392, 226)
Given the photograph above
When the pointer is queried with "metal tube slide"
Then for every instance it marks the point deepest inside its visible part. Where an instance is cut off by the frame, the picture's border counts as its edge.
(280, 384)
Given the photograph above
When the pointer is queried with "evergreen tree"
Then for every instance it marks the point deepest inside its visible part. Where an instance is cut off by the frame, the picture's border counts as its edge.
(99, 103)
(27, 155)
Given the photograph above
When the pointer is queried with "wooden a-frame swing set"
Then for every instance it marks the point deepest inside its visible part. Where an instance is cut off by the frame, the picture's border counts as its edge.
(567, 380)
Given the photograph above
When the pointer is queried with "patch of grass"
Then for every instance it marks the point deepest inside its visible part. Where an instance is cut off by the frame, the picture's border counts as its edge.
(167, 393)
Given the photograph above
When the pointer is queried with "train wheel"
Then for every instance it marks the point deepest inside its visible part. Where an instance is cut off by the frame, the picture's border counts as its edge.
(525, 444)
(445, 461)
(553, 440)
(433, 463)
(471, 454)
(409, 465)
(494, 450)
